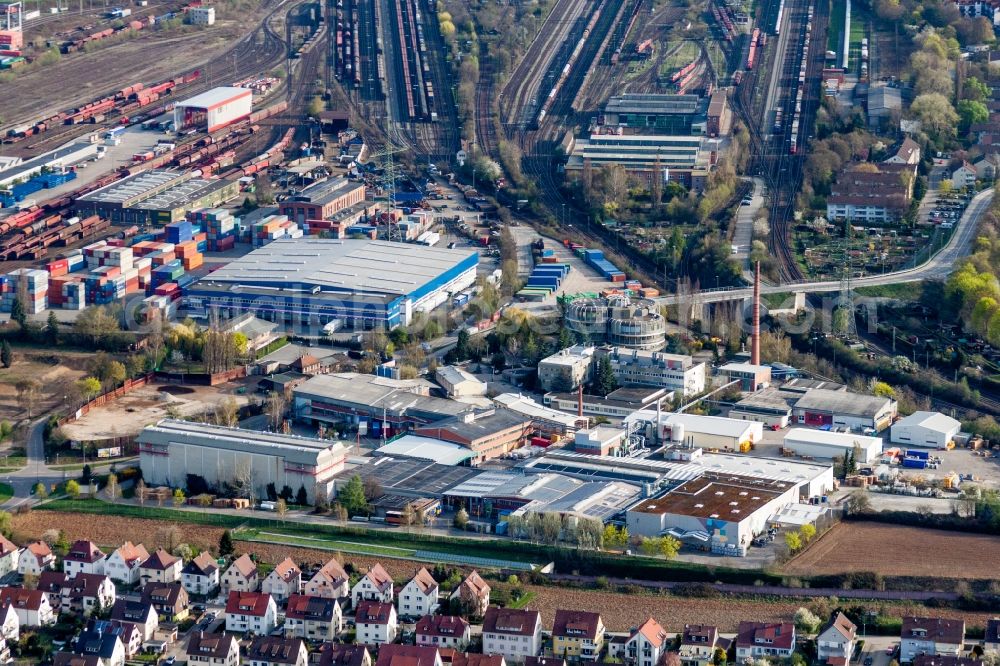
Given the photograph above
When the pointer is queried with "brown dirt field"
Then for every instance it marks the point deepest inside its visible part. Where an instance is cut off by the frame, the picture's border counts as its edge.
(149, 58)
(898, 550)
(55, 376)
(619, 611)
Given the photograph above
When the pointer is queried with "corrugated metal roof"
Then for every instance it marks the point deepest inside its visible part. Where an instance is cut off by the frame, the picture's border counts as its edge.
(214, 96)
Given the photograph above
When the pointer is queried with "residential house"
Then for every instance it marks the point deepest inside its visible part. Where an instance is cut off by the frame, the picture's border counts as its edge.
(313, 618)
(963, 176)
(212, 650)
(875, 193)
(251, 612)
(82, 594)
(277, 651)
(991, 639)
(169, 599)
(122, 564)
(241, 576)
(646, 644)
(51, 583)
(836, 640)
(544, 661)
(140, 613)
(765, 639)
(408, 655)
(161, 567)
(35, 558)
(419, 596)
(101, 641)
(376, 585)
(284, 580)
(130, 635)
(9, 554)
(474, 659)
(512, 633)
(987, 167)
(70, 659)
(201, 575)
(577, 635)
(32, 606)
(698, 644)
(331, 581)
(474, 595)
(10, 625)
(931, 635)
(84, 557)
(337, 654)
(908, 152)
(375, 622)
(449, 631)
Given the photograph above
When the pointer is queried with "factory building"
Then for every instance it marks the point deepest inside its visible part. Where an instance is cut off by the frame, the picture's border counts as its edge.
(827, 445)
(619, 322)
(723, 512)
(843, 409)
(379, 404)
(696, 431)
(362, 283)
(214, 109)
(547, 421)
(59, 158)
(925, 429)
(323, 200)
(751, 377)
(682, 159)
(153, 197)
(616, 405)
(204, 15)
(566, 369)
(674, 372)
(171, 450)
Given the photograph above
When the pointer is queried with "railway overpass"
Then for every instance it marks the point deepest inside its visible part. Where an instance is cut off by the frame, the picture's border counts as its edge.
(938, 266)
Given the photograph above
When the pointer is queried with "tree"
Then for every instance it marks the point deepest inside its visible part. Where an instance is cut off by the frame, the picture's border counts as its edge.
(226, 544)
(40, 491)
(27, 393)
(88, 387)
(178, 497)
(6, 355)
(935, 113)
(806, 621)
(793, 541)
(857, 502)
(227, 412)
(669, 547)
(72, 489)
(719, 657)
(111, 488)
(52, 329)
(462, 345)
(352, 496)
(140, 492)
(301, 497)
(18, 315)
(971, 112)
(604, 378)
(807, 532)
(275, 409)
(86, 473)
(461, 520)
(281, 508)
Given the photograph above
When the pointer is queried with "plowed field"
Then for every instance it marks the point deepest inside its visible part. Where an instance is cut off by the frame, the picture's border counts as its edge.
(898, 550)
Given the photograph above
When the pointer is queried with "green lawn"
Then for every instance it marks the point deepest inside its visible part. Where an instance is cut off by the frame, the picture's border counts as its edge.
(93, 463)
(835, 33)
(6, 492)
(523, 601)
(908, 291)
(355, 547)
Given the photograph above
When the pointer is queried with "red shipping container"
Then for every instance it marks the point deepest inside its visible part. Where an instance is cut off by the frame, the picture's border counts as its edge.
(618, 277)
(116, 242)
(166, 289)
(226, 243)
(199, 237)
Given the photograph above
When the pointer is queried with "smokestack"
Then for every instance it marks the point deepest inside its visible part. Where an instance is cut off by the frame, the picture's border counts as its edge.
(755, 334)
(579, 401)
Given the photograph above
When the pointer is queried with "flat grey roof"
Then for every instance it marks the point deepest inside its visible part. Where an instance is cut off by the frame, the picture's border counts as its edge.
(426, 448)
(653, 104)
(358, 391)
(181, 194)
(842, 402)
(47, 159)
(133, 186)
(326, 191)
(292, 447)
(340, 265)
(410, 475)
(215, 96)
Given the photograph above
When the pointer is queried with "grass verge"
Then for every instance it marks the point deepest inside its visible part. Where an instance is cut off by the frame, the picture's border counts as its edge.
(909, 291)
(6, 492)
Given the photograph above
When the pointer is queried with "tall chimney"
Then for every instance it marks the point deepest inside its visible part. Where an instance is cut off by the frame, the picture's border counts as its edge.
(755, 334)
(579, 400)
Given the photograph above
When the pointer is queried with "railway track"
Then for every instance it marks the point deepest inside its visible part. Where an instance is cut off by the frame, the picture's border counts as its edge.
(486, 131)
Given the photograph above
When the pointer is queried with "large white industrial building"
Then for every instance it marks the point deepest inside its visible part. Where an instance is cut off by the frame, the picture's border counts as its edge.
(171, 450)
(829, 445)
(696, 431)
(925, 429)
(214, 109)
(724, 512)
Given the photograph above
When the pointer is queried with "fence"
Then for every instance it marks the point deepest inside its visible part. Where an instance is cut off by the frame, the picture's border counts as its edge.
(105, 398)
(202, 378)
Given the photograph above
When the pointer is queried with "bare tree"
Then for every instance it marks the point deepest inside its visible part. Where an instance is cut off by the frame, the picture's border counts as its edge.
(112, 489)
(275, 409)
(243, 481)
(227, 412)
(27, 393)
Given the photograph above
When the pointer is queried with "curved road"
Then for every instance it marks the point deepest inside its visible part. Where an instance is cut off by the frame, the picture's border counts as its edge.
(938, 266)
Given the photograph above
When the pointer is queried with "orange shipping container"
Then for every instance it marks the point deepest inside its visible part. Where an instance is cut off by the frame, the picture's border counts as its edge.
(193, 261)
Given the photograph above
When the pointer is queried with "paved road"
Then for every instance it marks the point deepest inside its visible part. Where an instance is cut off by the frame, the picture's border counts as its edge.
(743, 235)
(938, 266)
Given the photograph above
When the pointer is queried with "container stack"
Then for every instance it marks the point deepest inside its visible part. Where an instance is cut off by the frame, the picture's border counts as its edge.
(189, 255)
(544, 279)
(36, 289)
(74, 295)
(158, 306)
(168, 272)
(272, 228)
(220, 228)
(596, 259)
(178, 232)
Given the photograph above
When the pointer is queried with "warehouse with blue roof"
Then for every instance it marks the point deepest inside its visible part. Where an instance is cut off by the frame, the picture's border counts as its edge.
(362, 283)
